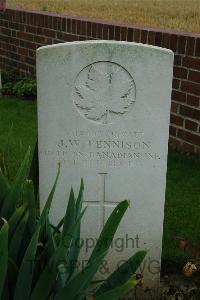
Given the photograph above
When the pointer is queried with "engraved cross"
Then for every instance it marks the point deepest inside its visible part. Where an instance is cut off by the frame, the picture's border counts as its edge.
(102, 201)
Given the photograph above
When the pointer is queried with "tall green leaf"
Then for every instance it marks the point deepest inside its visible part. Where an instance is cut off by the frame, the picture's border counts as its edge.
(29, 197)
(47, 206)
(123, 273)
(117, 292)
(77, 287)
(25, 275)
(16, 218)
(70, 215)
(3, 255)
(109, 230)
(48, 277)
(17, 238)
(5, 153)
(12, 198)
(34, 170)
(4, 188)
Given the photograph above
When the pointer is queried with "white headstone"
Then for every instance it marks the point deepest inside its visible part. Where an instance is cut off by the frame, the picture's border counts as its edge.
(103, 109)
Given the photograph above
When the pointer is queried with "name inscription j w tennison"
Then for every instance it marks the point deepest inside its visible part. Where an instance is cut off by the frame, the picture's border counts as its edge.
(90, 151)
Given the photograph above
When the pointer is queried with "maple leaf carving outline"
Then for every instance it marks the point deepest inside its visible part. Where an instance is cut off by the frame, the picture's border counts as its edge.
(104, 91)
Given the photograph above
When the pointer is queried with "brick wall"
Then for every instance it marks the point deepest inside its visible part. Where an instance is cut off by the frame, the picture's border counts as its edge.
(22, 32)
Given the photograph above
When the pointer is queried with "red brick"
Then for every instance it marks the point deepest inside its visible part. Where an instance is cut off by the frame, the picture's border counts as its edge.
(174, 142)
(189, 137)
(172, 130)
(194, 76)
(177, 60)
(180, 72)
(23, 51)
(6, 31)
(111, 32)
(78, 27)
(187, 147)
(173, 42)
(105, 32)
(190, 44)
(84, 28)
(158, 39)
(174, 107)
(190, 112)
(64, 24)
(31, 29)
(192, 63)
(178, 96)
(117, 33)
(151, 38)
(144, 35)
(166, 40)
(89, 28)
(190, 87)
(130, 35)
(74, 26)
(123, 33)
(94, 30)
(197, 50)
(175, 83)
(181, 44)
(99, 31)
(69, 25)
(177, 120)
(50, 33)
(69, 37)
(137, 35)
(192, 100)
(190, 125)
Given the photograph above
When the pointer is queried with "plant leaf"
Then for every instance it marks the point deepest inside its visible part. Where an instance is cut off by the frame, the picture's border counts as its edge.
(34, 170)
(78, 285)
(25, 275)
(117, 292)
(4, 188)
(109, 230)
(12, 198)
(6, 152)
(123, 273)
(30, 199)
(3, 255)
(17, 238)
(15, 219)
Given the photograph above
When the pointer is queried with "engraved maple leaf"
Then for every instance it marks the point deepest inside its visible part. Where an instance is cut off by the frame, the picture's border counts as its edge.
(106, 91)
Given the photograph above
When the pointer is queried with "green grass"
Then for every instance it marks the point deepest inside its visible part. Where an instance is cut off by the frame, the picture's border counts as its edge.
(22, 114)
(182, 211)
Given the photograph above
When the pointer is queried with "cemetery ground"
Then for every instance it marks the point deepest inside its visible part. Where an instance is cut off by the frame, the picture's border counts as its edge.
(183, 177)
(180, 14)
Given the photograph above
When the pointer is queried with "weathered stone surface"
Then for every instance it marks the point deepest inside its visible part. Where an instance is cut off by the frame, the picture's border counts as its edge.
(103, 111)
